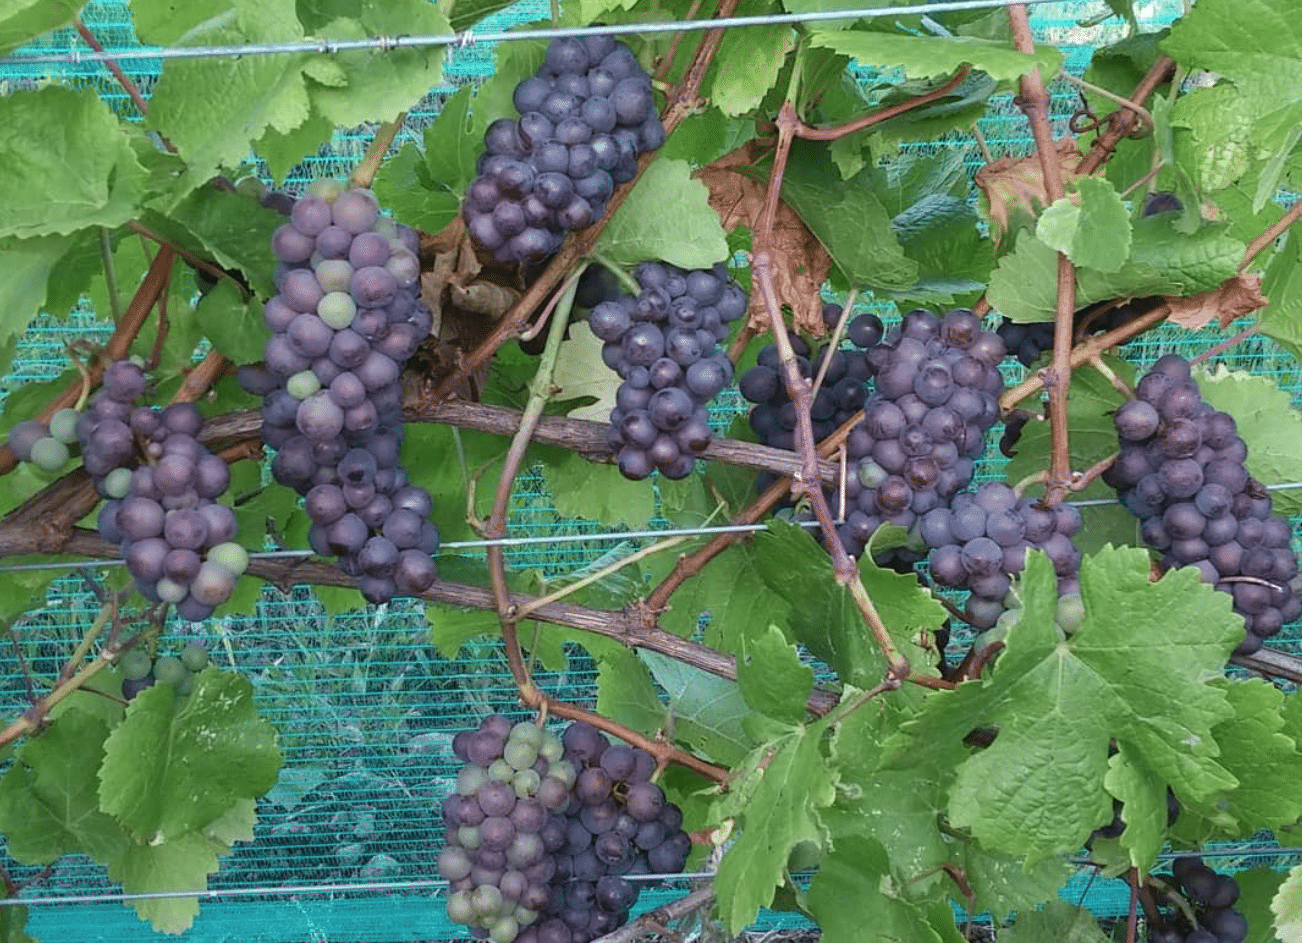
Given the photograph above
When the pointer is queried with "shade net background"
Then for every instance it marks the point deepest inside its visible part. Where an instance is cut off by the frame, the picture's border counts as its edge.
(366, 707)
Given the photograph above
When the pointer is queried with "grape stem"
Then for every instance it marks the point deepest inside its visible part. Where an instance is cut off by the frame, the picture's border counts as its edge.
(128, 86)
(834, 342)
(1034, 103)
(655, 920)
(1124, 122)
(160, 333)
(110, 273)
(667, 61)
(363, 174)
(1272, 233)
(1118, 384)
(1132, 916)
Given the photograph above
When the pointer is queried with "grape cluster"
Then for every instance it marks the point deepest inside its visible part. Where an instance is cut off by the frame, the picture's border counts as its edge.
(45, 445)
(937, 389)
(139, 671)
(162, 487)
(979, 542)
(584, 118)
(664, 344)
(347, 318)
(1027, 342)
(840, 395)
(541, 833)
(1212, 897)
(1180, 470)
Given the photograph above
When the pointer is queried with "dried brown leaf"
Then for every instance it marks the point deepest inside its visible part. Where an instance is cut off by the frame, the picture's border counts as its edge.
(1014, 187)
(801, 264)
(1235, 298)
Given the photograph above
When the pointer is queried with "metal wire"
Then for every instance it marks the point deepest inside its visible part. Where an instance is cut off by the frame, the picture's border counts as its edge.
(508, 542)
(468, 38)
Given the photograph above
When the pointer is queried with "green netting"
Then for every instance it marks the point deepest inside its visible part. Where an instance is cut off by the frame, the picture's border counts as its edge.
(365, 706)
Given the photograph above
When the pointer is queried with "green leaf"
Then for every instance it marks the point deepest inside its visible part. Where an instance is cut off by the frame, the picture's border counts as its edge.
(24, 279)
(1213, 136)
(69, 163)
(1281, 320)
(847, 217)
(229, 227)
(1091, 400)
(172, 767)
(1256, 888)
(925, 56)
(12, 921)
(626, 692)
(1287, 907)
(1094, 232)
(748, 61)
(705, 711)
(450, 628)
(1144, 807)
(580, 372)
(852, 891)
(452, 147)
(234, 325)
(786, 784)
(463, 14)
(22, 21)
(668, 217)
(1137, 671)
(1058, 921)
(1269, 425)
(594, 491)
(214, 109)
(1259, 752)
(1004, 886)
(404, 187)
(285, 150)
(49, 798)
(732, 591)
(182, 863)
(772, 679)
(380, 84)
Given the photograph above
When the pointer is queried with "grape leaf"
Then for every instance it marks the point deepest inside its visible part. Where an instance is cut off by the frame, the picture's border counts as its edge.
(1287, 907)
(925, 56)
(1256, 888)
(13, 919)
(1092, 230)
(580, 371)
(1004, 887)
(403, 186)
(733, 592)
(233, 324)
(851, 892)
(595, 492)
(847, 217)
(1058, 921)
(24, 20)
(175, 766)
(213, 109)
(285, 150)
(182, 863)
(777, 798)
(1269, 425)
(1213, 136)
(772, 679)
(1130, 779)
(24, 279)
(626, 692)
(49, 798)
(1281, 320)
(668, 217)
(748, 61)
(463, 14)
(1258, 750)
(69, 161)
(705, 711)
(1137, 671)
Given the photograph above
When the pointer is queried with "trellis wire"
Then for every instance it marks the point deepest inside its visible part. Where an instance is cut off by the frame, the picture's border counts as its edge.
(468, 37)
(353, 694)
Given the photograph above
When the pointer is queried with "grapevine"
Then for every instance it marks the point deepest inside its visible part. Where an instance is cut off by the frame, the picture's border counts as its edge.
(769, 317)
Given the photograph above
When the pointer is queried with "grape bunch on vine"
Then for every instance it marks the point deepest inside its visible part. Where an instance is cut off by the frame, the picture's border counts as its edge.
(747, 298)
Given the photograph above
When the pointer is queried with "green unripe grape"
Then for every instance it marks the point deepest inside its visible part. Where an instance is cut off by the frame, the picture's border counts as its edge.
(169, 590)
(487, 900)
(526, 783)
(49, 454)
(232, 556)
(337, 309)
(524, 916)
(551, 748)
(520, 755)
(302, 384)
(185, 685)
(195, 657)
(564, 772)
(135, 664)
(1071, 612)
(387, 228)
(468, 837)
(528, 733)
(460, 908)
(63, 425)
(169, 670)
(454, 863)
(470, 779)
(504, 930)
(1007, 620)
(327, 190)
(501, 771)
(117, 483)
